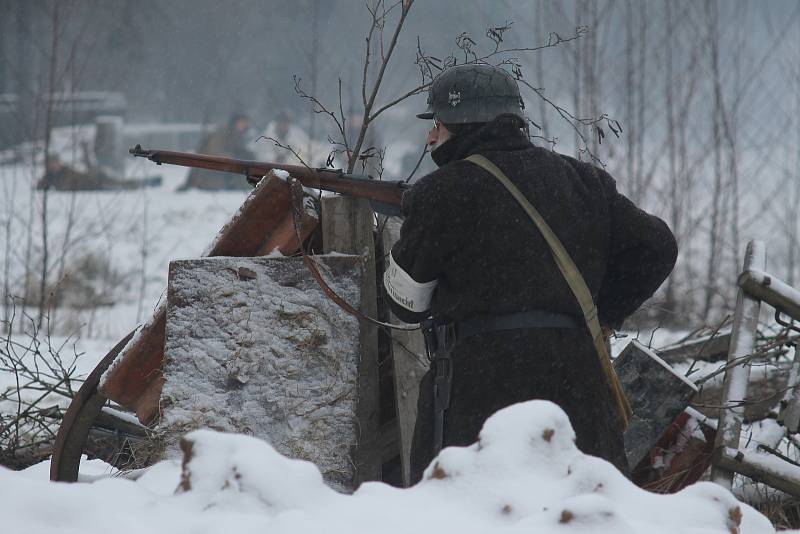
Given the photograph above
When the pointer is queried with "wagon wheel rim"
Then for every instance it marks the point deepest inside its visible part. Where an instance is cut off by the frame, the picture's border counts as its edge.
(81, 413)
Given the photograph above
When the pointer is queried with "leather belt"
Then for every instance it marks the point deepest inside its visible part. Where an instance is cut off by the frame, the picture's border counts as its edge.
(441, 338)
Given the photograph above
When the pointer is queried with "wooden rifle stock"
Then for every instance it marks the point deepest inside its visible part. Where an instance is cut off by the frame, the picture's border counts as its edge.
(386, 193)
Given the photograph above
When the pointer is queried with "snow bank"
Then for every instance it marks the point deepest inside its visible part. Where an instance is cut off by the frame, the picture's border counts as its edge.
(524, 475)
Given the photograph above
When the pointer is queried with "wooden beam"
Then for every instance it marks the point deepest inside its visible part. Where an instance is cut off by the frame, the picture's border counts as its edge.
(771, 290)
(734, 392)
(409, 364)
(708, 348)
(761, 468)
(789, 415)
(347, 228)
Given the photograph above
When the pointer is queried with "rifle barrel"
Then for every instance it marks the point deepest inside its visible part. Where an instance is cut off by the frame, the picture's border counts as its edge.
(329, 180)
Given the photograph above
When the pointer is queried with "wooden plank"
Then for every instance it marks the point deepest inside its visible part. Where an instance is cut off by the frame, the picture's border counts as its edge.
(761, 468)
(387, 441)
(259, 227)
(789, 415)
(708, 348)
(347, 228)
(657, 395)
(771, 290)
(734, 391)
(409, 363)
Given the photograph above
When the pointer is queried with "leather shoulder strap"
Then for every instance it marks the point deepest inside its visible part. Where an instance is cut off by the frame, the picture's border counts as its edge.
(575, 280)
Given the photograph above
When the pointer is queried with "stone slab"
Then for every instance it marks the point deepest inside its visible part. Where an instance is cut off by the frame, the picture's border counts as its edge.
(254, 346)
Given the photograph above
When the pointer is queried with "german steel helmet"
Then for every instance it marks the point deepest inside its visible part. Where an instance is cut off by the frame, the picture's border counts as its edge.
(472, 93)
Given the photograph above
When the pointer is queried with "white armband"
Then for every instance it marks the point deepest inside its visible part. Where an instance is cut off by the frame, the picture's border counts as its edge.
(406, 291)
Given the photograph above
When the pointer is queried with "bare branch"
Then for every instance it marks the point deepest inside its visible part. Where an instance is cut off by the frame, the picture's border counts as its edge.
(317, 106)
(285, 147)
(417, 90)
(419, 162)
(406, 6)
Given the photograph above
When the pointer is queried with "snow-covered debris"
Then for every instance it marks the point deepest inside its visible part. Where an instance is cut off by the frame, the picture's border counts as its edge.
(524, 475)
(253, 345)
(280, 173)
(657, 394)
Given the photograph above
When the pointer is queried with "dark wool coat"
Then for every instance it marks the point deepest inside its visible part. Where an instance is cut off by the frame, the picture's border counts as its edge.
(464, 229)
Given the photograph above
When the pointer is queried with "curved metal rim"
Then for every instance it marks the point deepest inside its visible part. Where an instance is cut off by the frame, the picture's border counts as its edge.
(80, 415)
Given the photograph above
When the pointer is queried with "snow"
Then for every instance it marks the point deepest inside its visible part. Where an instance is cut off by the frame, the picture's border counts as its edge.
(280, 173)
(767, 462)
(134, 233)
(524, 475)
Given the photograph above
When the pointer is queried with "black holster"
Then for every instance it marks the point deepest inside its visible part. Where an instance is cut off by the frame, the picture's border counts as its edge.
(439, 341)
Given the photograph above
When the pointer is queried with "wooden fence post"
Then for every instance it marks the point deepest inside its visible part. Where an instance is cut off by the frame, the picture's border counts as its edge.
(734, 392)
(409, 364)
(108, 148)
(347, 227)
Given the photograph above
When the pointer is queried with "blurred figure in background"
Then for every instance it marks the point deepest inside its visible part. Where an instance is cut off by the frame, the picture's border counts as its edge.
(283, 130)
(61, 177)
(230, 141)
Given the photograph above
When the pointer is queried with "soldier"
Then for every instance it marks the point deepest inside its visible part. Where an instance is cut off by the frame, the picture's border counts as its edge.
(506, 324)
(61, 177)
(231, 141)
(287, 132)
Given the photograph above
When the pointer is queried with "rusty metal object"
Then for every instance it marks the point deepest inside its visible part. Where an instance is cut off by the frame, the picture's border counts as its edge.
(80, 415)
(263, 224)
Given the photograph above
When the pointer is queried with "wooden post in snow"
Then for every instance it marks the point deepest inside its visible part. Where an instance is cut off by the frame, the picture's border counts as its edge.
(785, 299)
(409, 365)
(347, 227)
(734, 393)
(108, 149)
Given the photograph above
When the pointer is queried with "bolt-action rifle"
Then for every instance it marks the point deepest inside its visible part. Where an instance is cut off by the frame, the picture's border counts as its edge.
(385, 196)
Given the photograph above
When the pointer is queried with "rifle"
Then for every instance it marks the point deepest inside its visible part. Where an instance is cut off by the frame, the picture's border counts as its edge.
(385, 196)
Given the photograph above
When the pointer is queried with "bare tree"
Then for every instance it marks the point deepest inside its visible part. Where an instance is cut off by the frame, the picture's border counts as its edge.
(793, 218)
(41, 376)
(714, 231)
(313, 64)
(48, 127)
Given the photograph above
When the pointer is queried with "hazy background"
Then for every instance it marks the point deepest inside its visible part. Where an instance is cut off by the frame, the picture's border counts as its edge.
(707, 94)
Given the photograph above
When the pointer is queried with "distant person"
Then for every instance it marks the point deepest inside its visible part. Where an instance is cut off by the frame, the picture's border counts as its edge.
(370, 159)
(283, 130)
(61, 177)
(229, 141)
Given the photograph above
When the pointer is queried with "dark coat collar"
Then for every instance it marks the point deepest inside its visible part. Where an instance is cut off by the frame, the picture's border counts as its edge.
(500, 134)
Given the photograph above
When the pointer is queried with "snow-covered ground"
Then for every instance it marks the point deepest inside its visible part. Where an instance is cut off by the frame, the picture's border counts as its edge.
(524, 475)
(132, 234)
(109, 249)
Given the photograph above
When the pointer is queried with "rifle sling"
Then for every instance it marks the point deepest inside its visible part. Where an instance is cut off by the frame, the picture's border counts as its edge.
(296, 191)
(576, 283)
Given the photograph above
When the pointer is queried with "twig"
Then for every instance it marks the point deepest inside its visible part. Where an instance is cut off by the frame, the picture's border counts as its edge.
(285, 147)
